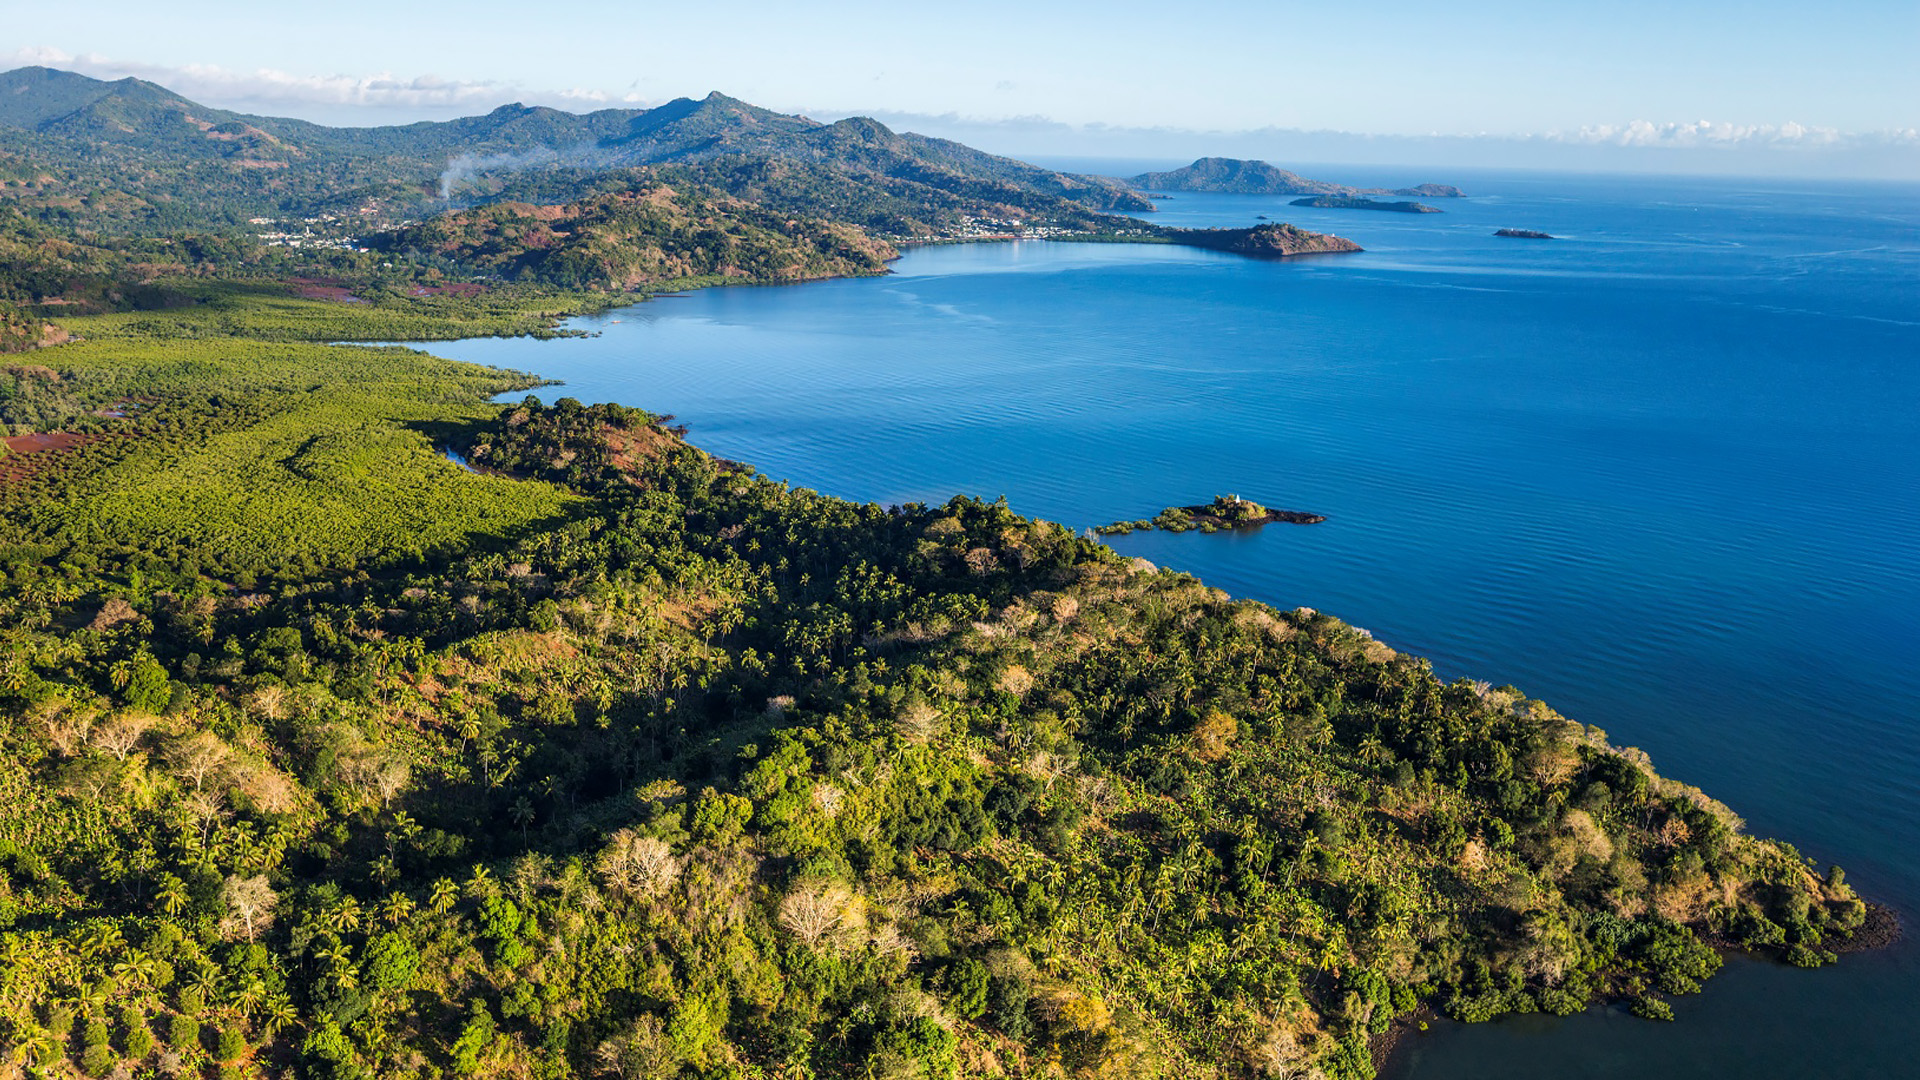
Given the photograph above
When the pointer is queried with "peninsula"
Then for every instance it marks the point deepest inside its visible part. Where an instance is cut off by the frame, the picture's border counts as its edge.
(322, 756)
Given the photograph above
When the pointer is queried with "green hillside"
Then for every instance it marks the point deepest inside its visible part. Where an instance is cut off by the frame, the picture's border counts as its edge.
(133, 157)
(324, 756)
(643, 238)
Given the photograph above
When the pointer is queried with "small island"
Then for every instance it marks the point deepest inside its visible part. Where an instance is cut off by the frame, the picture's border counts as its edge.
(1270, 241)
(1523, 234)
(1432, 191)
(1236, 176)
(1224, 512)
(1350, 202)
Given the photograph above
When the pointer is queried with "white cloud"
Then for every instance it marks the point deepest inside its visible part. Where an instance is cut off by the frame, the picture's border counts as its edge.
(269, 86)
(1699, 134)
(1713, 134)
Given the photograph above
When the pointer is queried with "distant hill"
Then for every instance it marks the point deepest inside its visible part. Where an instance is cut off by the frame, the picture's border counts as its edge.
(1236, 176)
(160, 160)
(644, 237)
(1351, 202)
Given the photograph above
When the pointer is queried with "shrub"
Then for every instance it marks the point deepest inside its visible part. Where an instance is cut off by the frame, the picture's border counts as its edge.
(1650, 1008)
(1009, 996)
(139, 1040)
(183, 1032)
(968, 985)
(96, 1059)
(230, 1044)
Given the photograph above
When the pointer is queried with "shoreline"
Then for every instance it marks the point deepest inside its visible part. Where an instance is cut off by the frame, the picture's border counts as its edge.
(1883, 929)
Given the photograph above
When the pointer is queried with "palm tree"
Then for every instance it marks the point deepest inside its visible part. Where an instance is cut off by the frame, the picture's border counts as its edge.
(102, 938)
(279, 1015)
(250, 995)
(207, 981)
(481, 884)
(173, 894)
(395, 909)
(384, 870)
(343, 918)
(137, 968)
(522, 813)
(35, 1048)
(442, 896)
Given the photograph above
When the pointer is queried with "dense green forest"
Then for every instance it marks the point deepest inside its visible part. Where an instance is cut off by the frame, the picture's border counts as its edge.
(321, 755)
(130, 158)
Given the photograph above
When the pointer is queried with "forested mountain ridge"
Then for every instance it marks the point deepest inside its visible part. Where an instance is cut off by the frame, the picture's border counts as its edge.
(86, 145)
(322, 756)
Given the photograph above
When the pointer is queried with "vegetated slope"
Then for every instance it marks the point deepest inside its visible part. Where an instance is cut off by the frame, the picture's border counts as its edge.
(132, 156)
(249, 460)
(713, 775)
(20, 331)
(647, 236)
(1275, 240)
(1242, 177)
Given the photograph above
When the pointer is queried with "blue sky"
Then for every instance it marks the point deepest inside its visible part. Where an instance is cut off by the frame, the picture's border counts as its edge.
(1122, 77)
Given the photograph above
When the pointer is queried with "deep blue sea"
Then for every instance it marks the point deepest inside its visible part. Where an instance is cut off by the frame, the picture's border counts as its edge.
(1663, 472)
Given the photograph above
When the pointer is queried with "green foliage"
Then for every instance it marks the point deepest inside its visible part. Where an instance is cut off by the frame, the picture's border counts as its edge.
(474, 1039)
(645, 237)
(1650, 1008)
(148, 689)
(645, 763)
(309, 458)
(138, 1041)
(229, 1044)
(917, 1048)
(97, 1059)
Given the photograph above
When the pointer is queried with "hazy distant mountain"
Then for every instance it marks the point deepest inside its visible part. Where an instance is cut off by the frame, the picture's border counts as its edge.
(1241, 177)
(167, 158)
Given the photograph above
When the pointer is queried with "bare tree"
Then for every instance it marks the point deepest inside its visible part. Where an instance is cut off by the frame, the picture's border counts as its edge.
(198, 756)
(249, 903)
(65, 725)
(121, 735)
(270, 702)
(375, 771)
(206, 807)
(642, 866)
(822, 912)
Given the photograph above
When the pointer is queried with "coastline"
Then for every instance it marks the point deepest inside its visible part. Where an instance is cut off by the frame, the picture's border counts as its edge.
(1882, 929)
(1863, 942)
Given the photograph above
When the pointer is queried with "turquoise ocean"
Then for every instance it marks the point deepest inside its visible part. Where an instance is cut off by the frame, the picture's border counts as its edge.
(1662, 472)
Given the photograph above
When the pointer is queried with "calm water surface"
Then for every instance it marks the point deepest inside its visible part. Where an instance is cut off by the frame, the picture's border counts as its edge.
(1663, 473)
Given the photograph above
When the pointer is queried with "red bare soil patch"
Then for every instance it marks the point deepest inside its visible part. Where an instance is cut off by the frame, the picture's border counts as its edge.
(321, 289)
(52, 440)
(29, 455)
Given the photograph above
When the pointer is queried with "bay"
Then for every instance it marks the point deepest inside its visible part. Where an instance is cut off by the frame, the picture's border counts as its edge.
(1662, 472)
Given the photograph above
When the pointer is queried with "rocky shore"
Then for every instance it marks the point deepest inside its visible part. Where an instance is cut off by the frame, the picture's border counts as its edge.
(1224, 512)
